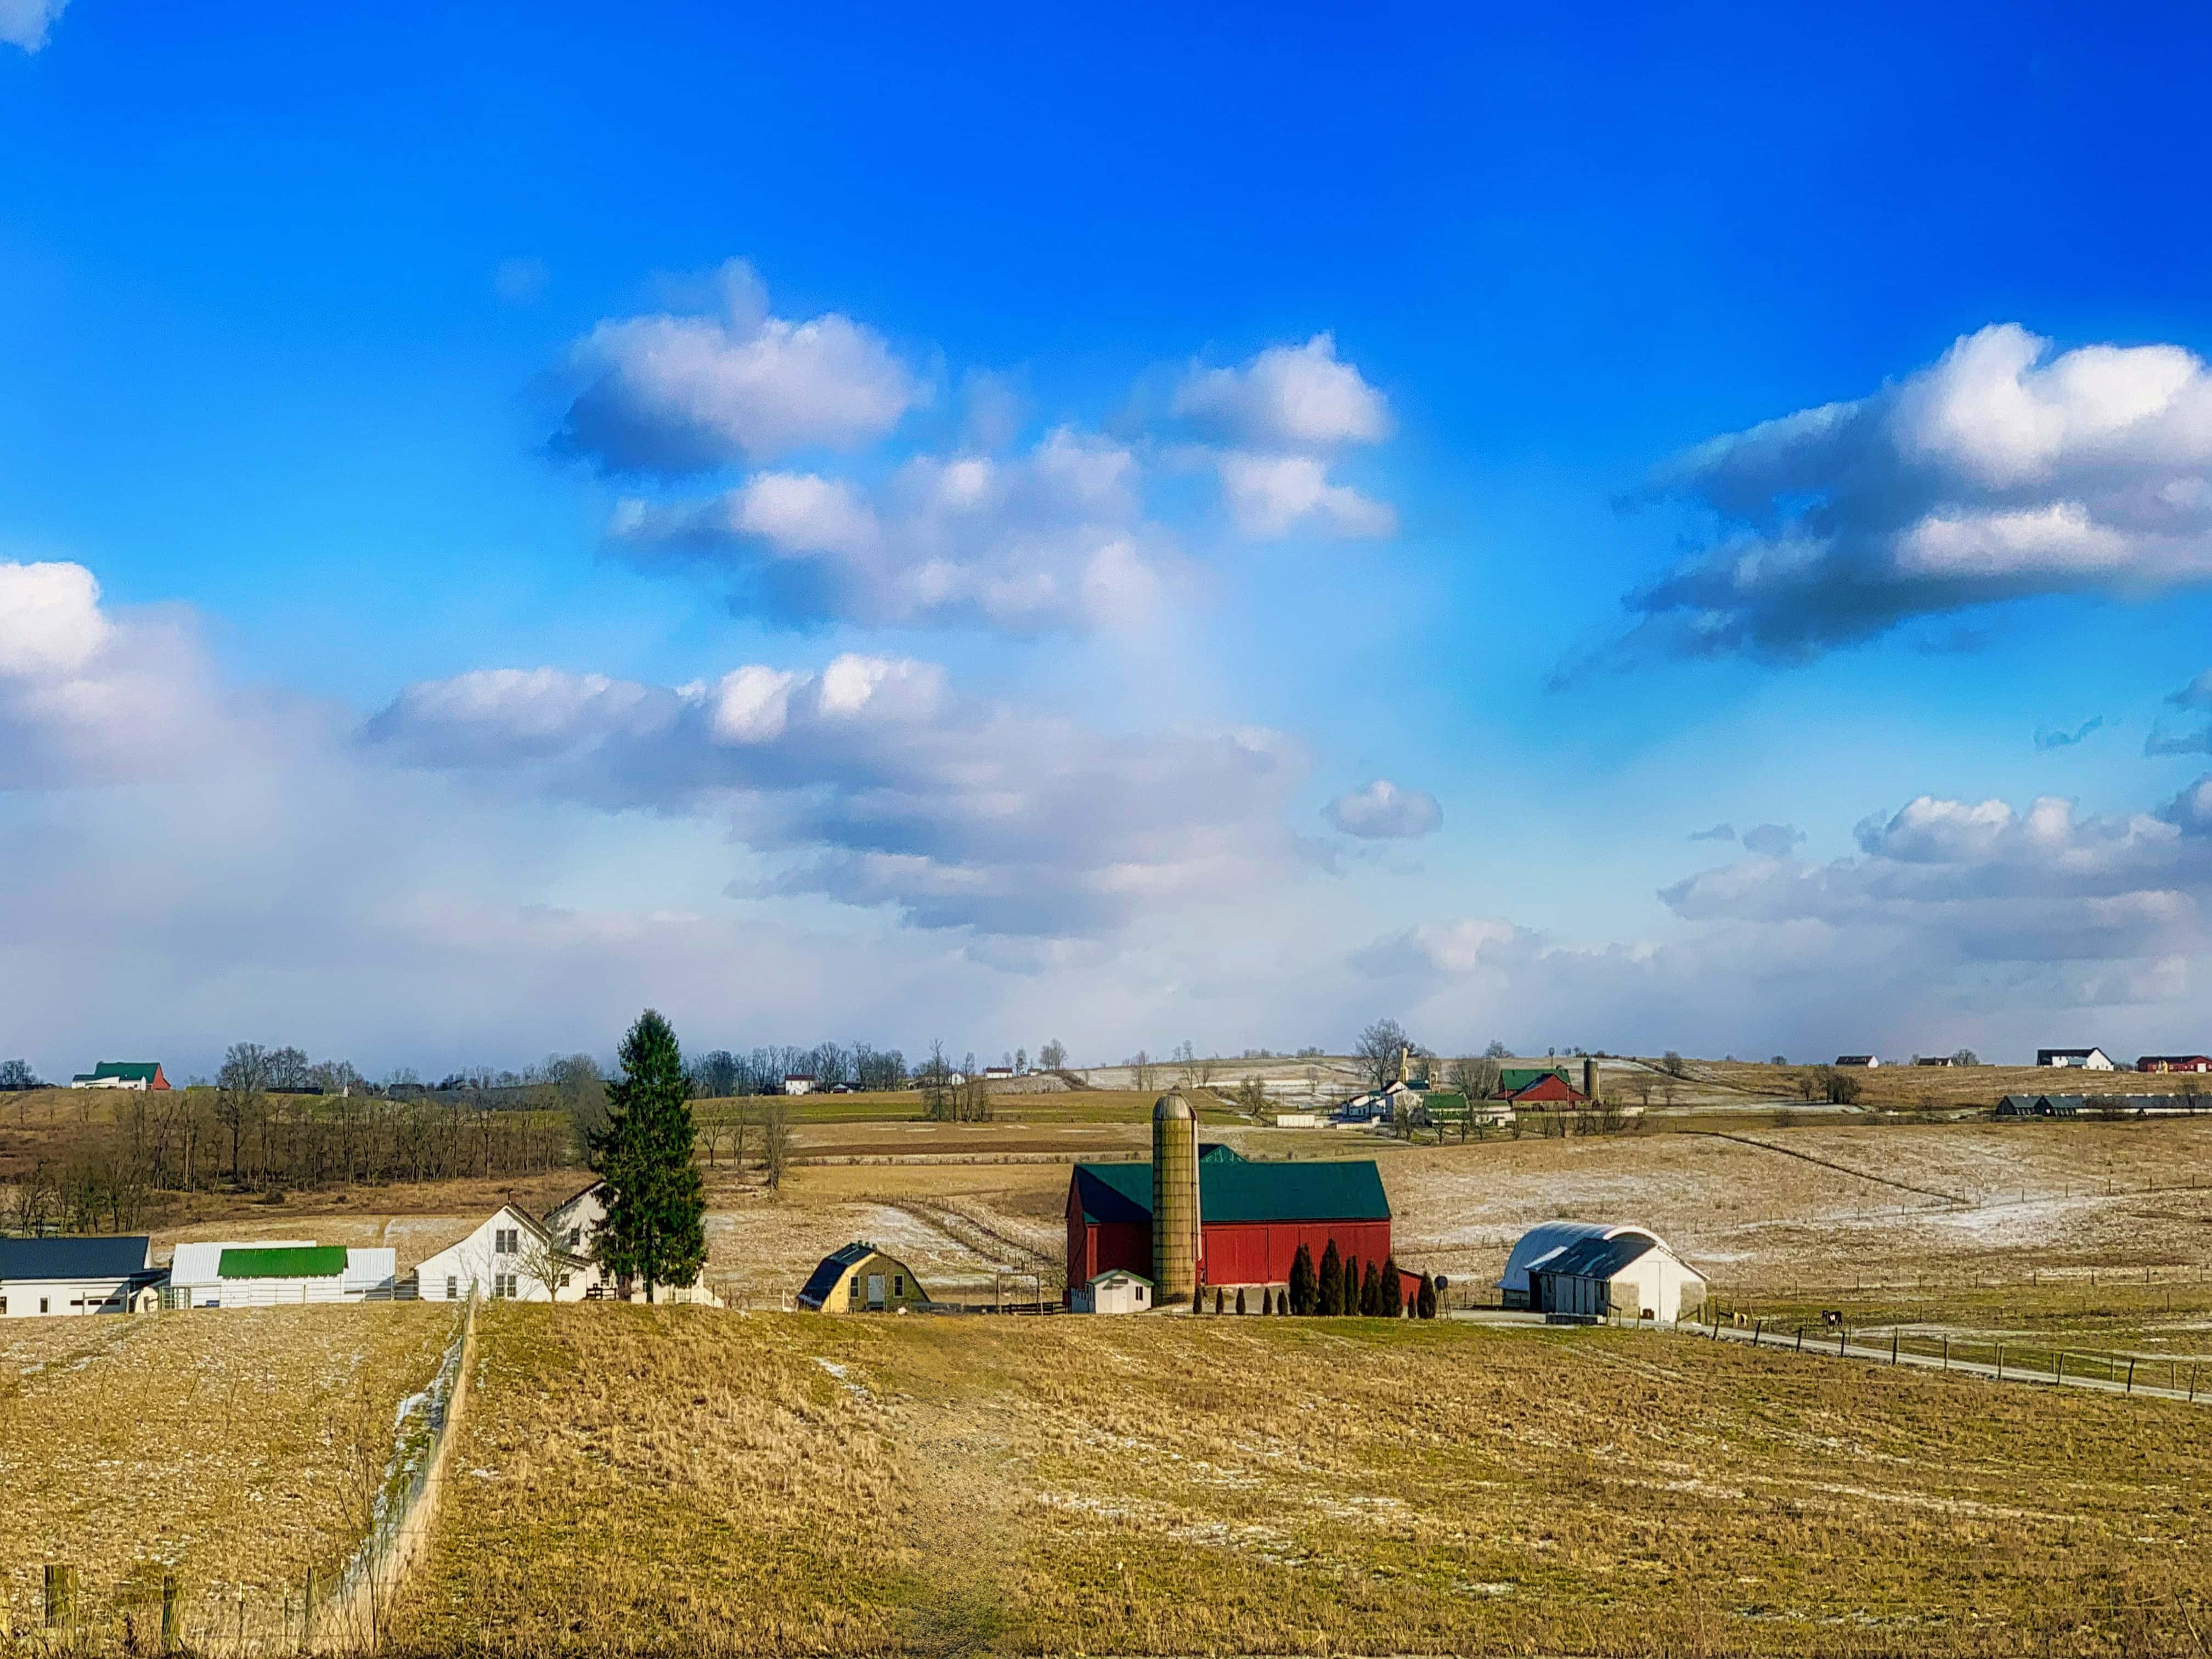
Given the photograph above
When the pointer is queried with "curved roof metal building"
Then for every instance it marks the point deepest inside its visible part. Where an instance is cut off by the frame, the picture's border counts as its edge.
(1548, 1240)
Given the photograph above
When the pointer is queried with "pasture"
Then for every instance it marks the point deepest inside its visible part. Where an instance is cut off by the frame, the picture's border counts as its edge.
(688, 1481)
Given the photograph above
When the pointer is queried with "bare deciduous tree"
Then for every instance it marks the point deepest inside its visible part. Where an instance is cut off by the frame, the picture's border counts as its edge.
(1378, 1049)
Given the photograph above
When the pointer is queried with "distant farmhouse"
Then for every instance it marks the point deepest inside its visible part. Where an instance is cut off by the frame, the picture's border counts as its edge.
(1870, 1062)
(2174, 1063)
(140, 1074)
(2086, 1059)
(511, 1256)
(799, 1083)
(53, 1277)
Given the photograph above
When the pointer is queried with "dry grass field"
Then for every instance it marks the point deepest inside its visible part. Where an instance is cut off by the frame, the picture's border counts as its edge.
(198, 1443)
(636, 1479)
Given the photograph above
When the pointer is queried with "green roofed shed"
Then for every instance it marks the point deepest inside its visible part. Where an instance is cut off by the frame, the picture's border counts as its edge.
(284, 1261)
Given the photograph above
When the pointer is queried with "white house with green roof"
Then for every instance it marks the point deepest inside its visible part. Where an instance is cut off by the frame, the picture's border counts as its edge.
(278, 1274)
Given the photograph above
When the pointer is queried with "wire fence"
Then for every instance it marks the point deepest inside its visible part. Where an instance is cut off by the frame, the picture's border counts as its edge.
(152, 1607)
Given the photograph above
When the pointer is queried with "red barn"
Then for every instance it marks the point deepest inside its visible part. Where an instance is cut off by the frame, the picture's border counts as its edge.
(1549, 1089)
(1252, 1217)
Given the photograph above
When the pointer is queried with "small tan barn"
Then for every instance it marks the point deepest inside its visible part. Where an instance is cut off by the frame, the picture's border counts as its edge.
(862, 1278)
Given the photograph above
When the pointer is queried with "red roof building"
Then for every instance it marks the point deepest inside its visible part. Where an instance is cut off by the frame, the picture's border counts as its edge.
(1549, 1089)
(2174, 1063)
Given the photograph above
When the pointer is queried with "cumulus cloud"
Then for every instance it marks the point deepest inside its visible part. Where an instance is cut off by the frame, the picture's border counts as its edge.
(24, 22)
(1979, 880)
(88, 698)
(1293, 397)
(2170, 737)
(1283, 413)
(1718, 832)
(675, 393)
(1383, 810)
(2048, 738)
(1773, 841)
(876, 783)
(1055, 539)
(2004, 471)
(1271, 495)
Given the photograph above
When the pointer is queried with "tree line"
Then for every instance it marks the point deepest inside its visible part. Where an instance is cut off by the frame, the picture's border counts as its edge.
(1339, 1286)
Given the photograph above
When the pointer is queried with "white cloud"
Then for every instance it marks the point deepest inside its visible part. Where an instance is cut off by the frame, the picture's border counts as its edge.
(1771, 840)
(1291, 398)
(1271, 494)
(874, 782)
(24, 22)
(673, 394)
(1384, 811)
(2002, 471)
(1053, 538)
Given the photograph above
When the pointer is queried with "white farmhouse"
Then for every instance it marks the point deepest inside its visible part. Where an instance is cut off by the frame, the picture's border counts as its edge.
(509, 1258)
(54, 1278)
(574, 1226)
(2086, 1059)
(279, 1273)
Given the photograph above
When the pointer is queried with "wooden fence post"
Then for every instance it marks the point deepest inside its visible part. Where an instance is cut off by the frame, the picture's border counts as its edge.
(2000, 1362)
(61, 1597)
(169, 1632)
(2058, 1361)
(2131, 1377)
(1800, 1338)
(1947, 1353)
(308, 1611)
(1893, 1345)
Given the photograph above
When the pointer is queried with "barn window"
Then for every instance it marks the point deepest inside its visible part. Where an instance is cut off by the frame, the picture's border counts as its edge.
(898, 1284)
(453, 1287)
(46, 1305)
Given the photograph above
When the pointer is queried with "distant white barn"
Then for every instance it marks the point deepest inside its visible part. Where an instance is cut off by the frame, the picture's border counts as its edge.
(1587, 1268)
(55, 1278)
(278, 1272)
(510, 1257)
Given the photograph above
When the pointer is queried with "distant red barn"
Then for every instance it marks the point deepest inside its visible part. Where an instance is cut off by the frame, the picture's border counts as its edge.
(1252, 1217)
(1548, 1089)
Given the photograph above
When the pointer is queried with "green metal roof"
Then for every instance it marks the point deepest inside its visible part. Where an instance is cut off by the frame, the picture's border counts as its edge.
(1236, 1189)
(283, 1262)
(131, 1071)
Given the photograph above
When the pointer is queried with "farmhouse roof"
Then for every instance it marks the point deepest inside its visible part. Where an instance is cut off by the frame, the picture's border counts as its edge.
(1543, 1244)
(282, 1261)
(2068, 1053)
(1854, 1060)
(1236, 1189)
(74, 1258)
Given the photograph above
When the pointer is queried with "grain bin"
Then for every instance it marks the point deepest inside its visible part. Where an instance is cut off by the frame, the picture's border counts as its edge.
(1175, 1201)
(1590, 1076)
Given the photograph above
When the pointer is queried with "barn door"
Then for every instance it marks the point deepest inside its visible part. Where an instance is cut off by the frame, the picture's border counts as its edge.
(875, 1289)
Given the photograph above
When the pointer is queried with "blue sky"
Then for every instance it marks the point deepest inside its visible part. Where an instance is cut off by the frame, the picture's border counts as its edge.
(1176, 431)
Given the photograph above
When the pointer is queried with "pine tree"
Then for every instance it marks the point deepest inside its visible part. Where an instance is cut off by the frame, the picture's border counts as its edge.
(1302, 1290)
(1428, 1297)
(1267, 1299)
(1371, 1292)
(1393, 1289)
(1240, 1298)
(655, 1228)
(1219, 1305)
(1332, 1282)
(1351, 1283)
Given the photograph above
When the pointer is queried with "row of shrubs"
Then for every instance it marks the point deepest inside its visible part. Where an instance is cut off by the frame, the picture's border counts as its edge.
(1339, 1286)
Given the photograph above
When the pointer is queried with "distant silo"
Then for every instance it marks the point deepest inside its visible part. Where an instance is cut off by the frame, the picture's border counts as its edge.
(1590, 1076)
(1175, 1201)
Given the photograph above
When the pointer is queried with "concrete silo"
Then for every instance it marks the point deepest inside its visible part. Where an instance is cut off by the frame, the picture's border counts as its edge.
(1590, 1083)
(1175, 1201)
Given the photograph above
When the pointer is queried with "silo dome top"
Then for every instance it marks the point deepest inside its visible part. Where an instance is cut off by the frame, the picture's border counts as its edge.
(1171, 1105)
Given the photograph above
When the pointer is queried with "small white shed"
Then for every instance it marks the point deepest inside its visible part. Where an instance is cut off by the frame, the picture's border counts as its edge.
(279, 1273)
(1117, 1290)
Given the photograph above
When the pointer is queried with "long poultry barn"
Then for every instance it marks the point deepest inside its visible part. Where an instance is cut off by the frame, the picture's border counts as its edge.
(1251, 1216)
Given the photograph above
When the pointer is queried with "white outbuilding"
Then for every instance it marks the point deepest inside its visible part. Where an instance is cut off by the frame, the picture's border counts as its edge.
(278, 1274)
(1593, 1270)
(53, 1277)
(510, 1257)
(1117, 1290)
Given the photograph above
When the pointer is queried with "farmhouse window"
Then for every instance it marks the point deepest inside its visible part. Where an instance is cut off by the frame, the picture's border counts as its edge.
(507, 1241)
(46, 1305)
(453, 1287)
(575, 1237)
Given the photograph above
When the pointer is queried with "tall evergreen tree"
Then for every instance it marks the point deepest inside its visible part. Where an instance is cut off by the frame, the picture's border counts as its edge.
(1393, 1289)
(1303, 1287)
(1351, 1283)
(1370, 1292)
(656, 1227)
(1426, 1304)
(1332, 1281)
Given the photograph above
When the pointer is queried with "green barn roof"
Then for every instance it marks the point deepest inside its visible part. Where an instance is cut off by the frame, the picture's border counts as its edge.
(129, 1071)
(283, 1262)
(1232, 1189)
